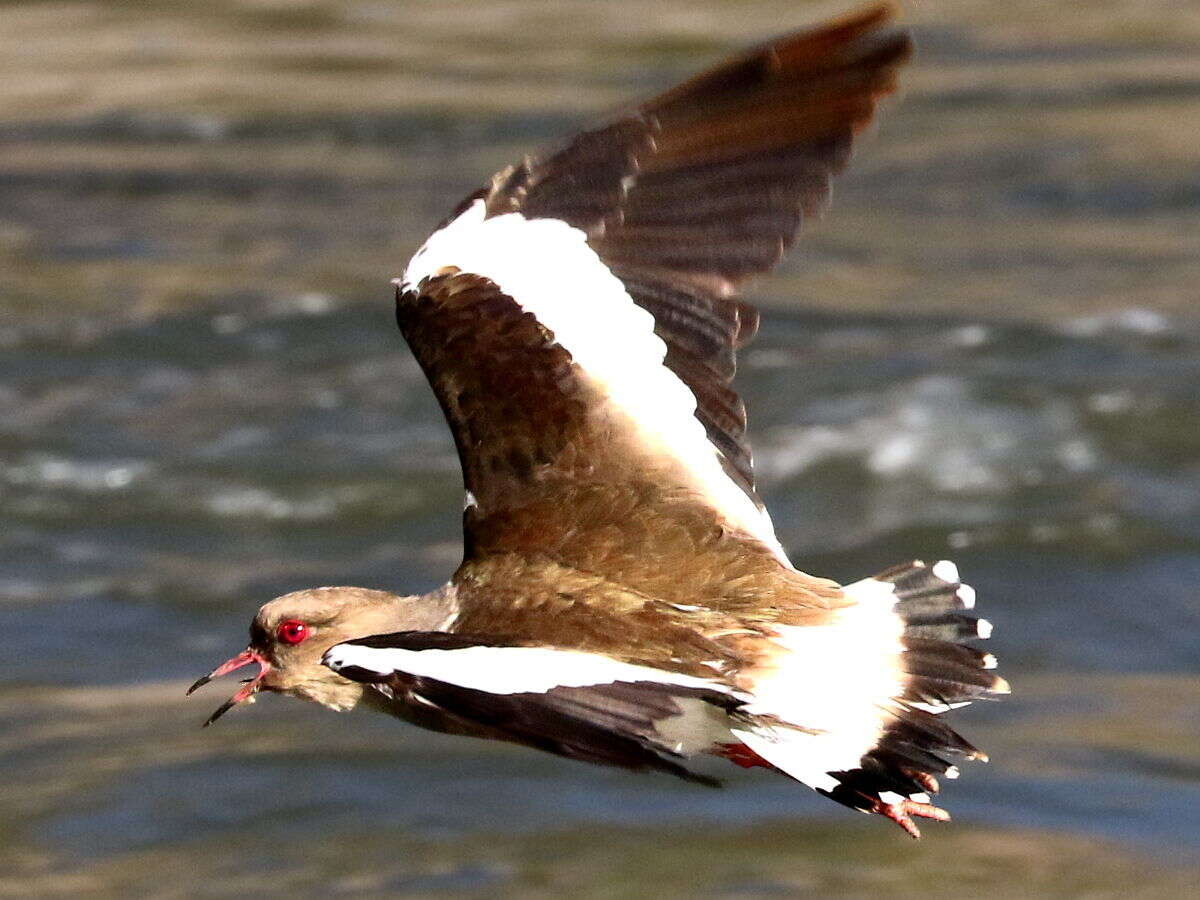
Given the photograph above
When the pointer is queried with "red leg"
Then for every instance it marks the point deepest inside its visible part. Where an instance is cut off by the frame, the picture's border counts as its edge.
(741, 755)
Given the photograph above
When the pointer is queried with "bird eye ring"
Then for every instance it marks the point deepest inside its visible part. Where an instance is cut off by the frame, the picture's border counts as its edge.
(291, 632)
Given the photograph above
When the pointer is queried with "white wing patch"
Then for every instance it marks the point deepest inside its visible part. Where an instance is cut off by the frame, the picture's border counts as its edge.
(836, 681)
(507, 670)
(546, 266)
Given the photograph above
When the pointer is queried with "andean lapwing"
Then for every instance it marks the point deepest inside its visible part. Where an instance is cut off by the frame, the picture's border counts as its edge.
(623, 598)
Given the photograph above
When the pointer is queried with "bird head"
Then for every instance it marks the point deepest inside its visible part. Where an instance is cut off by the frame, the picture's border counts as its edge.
(290, 634)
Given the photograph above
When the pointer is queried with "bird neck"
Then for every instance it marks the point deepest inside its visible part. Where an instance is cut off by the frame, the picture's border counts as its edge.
(428, 612)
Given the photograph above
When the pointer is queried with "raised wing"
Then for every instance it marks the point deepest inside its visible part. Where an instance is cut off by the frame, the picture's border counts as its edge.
(706, 185)
(578, 319)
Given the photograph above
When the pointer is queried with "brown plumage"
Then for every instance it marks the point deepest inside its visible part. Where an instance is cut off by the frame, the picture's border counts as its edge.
(623, 598)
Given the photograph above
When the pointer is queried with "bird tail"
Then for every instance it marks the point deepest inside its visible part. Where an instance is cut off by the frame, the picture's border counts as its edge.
(885, 670)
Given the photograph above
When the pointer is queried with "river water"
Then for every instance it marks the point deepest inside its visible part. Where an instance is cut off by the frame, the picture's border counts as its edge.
(990, 352)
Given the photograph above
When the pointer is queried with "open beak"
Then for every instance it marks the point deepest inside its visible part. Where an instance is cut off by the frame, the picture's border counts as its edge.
(248, 690)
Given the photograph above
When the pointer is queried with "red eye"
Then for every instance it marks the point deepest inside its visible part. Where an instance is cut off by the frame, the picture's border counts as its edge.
(291, 632)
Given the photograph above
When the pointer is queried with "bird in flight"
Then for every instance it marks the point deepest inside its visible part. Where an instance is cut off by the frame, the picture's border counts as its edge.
(623, 598)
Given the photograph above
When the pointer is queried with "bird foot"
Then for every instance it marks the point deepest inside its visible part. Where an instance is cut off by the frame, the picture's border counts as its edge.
(901, 813)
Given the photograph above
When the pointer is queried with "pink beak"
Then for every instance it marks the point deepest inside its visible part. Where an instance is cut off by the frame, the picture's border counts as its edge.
(245, 658)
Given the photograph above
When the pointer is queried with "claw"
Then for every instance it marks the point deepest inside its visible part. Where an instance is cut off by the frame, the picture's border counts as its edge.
(925, 780)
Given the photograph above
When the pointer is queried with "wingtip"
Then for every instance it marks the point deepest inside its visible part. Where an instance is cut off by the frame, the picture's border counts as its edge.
(865, 18)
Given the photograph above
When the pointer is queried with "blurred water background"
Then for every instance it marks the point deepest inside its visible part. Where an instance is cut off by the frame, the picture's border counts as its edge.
(990, 350)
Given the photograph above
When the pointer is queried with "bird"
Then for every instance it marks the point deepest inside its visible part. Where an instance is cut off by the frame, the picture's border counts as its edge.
(623, 598)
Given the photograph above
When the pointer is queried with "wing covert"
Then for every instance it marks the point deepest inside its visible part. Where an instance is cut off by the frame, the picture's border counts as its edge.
(560, 440)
